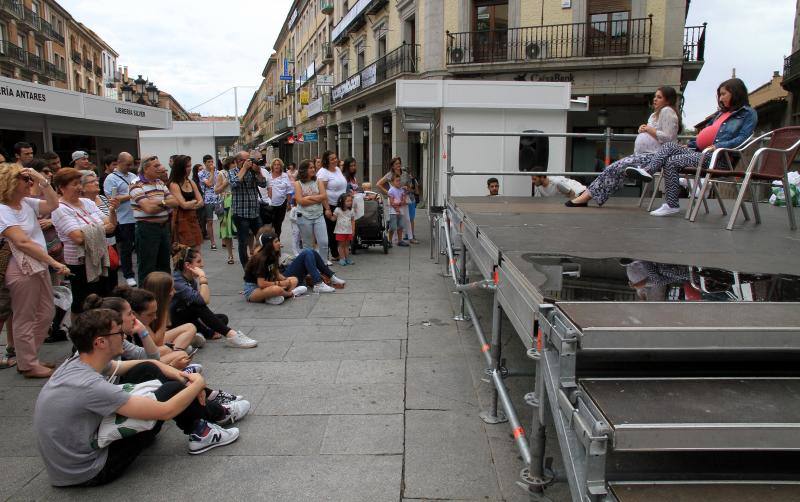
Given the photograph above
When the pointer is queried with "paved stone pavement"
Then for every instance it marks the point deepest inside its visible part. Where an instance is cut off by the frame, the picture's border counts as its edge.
(371, 393)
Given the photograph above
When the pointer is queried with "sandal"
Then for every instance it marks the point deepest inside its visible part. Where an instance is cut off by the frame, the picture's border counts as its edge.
(7, 361)
(230, 261)
(214, 247)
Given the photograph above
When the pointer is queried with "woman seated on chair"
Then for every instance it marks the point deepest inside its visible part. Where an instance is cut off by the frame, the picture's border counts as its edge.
(729, 127)
(662, 127)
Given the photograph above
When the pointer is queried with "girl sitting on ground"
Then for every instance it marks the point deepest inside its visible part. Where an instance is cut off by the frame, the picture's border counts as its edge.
(263, 282)
(145, 308)
(345, 222)
(192, 294)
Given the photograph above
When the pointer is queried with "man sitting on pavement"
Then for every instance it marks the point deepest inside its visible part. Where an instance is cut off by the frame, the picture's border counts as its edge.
(72, 404)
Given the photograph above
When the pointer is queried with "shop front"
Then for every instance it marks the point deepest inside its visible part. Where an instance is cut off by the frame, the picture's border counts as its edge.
(63, 121)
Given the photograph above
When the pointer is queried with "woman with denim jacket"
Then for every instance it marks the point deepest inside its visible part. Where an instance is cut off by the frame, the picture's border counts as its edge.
(733, 123)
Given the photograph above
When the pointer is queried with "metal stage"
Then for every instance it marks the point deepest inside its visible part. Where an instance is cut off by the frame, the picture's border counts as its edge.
(693, 394)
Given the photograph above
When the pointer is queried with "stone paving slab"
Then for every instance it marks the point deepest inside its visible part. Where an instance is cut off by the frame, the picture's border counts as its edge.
(383, 371)
(337, 351)
(16, 472)
(332, 399)
(364, 434)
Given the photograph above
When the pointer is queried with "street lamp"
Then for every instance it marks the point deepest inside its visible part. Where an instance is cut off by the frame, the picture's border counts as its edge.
(152, 93)
(127, 92)
(140, 83)
(140, 91)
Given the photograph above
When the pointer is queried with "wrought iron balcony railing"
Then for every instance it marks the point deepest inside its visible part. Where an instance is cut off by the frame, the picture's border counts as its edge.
(75, 57)
(32, 19)
(13, 54)
(35, 63)
(791, 68)
(98, 70)
(53, 72)
(327, 53)
(399, 61)
(87, 63)
(284, 124)
(559, 41)
(694, 43)
(14, 8)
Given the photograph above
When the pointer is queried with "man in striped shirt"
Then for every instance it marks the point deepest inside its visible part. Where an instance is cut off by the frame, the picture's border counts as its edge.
(152, 204)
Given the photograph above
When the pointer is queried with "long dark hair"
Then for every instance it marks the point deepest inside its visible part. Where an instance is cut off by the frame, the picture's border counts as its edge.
(265, 257)
(738, 91)
(196, 174)
(326, 159)
(671, 97)
(137, 298)
(302, 171)
(350, 177)
(180, 166)
(181, 255)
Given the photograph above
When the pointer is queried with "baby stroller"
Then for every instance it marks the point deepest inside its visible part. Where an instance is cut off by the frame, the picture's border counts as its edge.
(371, 227)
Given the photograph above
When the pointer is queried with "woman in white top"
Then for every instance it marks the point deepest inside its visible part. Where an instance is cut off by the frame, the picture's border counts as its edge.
(27, 277)
(335, 185)
(73, 219)
(279, 187)
(90, 186)
(662, 127)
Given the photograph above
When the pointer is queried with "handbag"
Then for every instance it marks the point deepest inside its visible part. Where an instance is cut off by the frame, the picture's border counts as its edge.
(219, 208)
(114, 427)
(113, 258)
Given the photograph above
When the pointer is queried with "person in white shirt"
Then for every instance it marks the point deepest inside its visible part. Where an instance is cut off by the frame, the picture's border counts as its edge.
(279, 186)
(549, 186)
(335, 185)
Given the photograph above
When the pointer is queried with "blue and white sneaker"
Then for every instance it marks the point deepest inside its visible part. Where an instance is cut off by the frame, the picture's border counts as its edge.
(194, 368)
(235, 411)
(222, 398)
(208, 435)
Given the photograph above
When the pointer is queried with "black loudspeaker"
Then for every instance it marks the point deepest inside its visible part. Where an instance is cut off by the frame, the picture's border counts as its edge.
(534, 152)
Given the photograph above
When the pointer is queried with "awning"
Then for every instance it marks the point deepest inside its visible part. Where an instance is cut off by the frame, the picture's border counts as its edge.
(274, 139)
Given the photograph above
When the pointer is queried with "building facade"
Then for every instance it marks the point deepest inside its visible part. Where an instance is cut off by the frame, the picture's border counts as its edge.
(617, 52)
(33, 41)
(91, 61)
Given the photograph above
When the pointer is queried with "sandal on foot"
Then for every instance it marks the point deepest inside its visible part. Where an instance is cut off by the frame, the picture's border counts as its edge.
(7, 361)
(230, 261)
(214, 247)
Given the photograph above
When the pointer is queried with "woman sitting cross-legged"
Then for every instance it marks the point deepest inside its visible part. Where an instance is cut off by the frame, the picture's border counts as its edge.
(192, 294)
(662, 127)
(73, 403)
(263, 281)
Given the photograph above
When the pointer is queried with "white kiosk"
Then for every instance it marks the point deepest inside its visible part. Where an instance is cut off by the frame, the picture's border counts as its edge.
(488, 106)
(189, 138)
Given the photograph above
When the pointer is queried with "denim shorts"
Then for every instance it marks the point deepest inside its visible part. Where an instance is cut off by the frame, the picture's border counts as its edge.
(396, 222)
(249, 287)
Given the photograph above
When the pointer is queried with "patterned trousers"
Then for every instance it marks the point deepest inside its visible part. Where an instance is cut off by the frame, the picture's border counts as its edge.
(671, 159)
(610, 180)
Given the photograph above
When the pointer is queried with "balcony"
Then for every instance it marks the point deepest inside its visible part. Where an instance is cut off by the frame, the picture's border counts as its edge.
(399, 61)
(327, 53)
(284, 124)
(326, 7)
(30, 21)
(49, 31)
(36, 64)
(267, 115)
(87, 63)
(560, 41)
(54, 73)
(75, 57)
(12, 54)
(694, 51)
(12, 9)
(98, 71)
(355, 18)
(791, 70)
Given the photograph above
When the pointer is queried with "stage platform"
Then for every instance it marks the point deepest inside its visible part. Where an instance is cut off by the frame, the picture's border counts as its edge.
(645, 395)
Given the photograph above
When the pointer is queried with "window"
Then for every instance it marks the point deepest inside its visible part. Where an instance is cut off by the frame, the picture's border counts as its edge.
(382, 46)
(360, 56)
(344, 65)
(21, 42)
(609, 25)
(35, 7)
(3, 33)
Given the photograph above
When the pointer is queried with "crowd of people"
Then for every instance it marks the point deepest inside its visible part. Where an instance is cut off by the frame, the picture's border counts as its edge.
(68, 239)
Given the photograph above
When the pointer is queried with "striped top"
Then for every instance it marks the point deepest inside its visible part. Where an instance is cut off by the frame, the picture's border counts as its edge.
(154, 190)
(67, 218)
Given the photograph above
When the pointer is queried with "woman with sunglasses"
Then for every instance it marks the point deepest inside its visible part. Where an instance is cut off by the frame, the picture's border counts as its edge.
(27, 274)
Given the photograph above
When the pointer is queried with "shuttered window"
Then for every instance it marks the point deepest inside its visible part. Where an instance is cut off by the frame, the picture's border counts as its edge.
(601, 6)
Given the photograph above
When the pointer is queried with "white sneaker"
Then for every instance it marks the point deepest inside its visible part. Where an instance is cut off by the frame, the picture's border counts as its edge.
(194, 368)
(236, 411)
(275, 300)
(240, 341)
(215, 436)
(323, 288)
(328, 263)
(685, 184)
(199, 340)
(337, 281)
(665, 210)
(638, 173)
(131, 282)
(299, 291)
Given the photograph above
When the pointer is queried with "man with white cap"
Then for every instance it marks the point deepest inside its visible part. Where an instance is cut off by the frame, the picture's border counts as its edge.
(80, 160)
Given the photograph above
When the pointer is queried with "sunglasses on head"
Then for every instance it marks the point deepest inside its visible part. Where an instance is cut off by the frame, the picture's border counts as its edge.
(26, 178)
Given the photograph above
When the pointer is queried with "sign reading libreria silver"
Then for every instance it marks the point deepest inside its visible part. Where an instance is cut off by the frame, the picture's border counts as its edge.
(348, 86)
(97, 108)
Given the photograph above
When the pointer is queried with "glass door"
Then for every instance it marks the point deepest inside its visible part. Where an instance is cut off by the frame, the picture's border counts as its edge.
(608, 34)
(490, 27)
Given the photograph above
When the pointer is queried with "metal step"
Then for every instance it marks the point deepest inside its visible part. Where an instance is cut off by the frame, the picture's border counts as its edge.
(694, 414)
(705, 491)
(672, 326)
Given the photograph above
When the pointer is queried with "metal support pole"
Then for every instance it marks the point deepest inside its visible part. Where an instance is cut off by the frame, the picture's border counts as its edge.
(449, 163)
(463, 316)
(537, 476)
(493, 415)
(608, 145)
